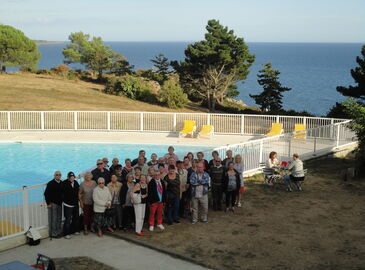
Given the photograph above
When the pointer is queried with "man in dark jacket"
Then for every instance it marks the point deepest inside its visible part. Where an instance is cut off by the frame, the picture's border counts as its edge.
(100, 171)
(70, 199)
(216, 173)
(53, 198)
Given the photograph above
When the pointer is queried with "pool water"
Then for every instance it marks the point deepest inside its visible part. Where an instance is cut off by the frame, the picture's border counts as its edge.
(28, 164)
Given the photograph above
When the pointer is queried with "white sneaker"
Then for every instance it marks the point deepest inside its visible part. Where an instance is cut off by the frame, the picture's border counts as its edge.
(161, 227)
(76, 233)
(239, 204)
(68, 236)
(151, 228)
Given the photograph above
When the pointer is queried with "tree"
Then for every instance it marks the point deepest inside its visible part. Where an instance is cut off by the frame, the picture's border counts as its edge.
(92, 53)
(162, 66)
(358, 74)
(212, 65)
(16, 49)
(120, 66)
(271, 98)
(172, 94)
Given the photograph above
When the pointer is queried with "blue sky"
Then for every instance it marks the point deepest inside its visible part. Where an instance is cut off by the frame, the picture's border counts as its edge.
(184, 20)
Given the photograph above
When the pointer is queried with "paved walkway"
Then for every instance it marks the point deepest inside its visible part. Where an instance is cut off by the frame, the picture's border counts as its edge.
(110, 251)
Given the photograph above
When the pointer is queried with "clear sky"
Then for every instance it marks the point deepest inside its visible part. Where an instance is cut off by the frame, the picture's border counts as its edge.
(184, 20)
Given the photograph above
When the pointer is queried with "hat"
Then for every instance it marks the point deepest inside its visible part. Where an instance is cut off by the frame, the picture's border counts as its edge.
(70, 174)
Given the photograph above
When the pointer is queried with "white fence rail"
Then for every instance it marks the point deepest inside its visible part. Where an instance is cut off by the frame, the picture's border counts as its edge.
(25, 207)
(151, 121)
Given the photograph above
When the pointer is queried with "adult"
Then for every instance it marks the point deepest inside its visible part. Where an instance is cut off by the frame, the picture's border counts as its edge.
(297, 173)
(137, 172)
(53, 198)
(114, 188)
(190, 156)
(173, 195)
(162, 170)
(171, 154)
(106, 163)
(102, 200)
(186, 163)
(119, 173)
(199, 182)
(201, 159)
(115, 164)
(128, 168)
(153, 162)
(238, 166)
(139, 196)
(141, 163)
(273, 161)
(142, 153)
(125, 201)
(151, 173)
(229, 158)
(183, 176)
(86, 201)
(216, 173)
(156, 199)
(70, 201)
(232, 184)
(215, 156)
(101, 172)
(170, 162)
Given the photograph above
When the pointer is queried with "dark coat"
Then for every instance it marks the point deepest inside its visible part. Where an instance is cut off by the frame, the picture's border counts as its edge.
(98, 173)
(70, 195)
(226, 180)
(152, 192)
(53, 192)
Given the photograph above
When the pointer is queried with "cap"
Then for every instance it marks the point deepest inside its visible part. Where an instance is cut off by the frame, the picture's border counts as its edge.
(70, 174)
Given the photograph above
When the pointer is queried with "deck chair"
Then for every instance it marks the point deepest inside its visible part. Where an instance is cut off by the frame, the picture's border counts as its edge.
(299, 130)
(206, 131)
(276, 129)
(269, 174)
(7, 228)
(189, 128)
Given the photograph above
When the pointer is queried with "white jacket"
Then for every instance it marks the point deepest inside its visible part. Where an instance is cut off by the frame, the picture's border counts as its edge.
(100, 197)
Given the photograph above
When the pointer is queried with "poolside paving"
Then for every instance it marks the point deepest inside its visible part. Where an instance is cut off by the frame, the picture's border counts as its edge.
(113, 252)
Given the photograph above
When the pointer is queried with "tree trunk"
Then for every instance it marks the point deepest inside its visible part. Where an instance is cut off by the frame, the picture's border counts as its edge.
(213, 103)
(100, 75)
(208, 100)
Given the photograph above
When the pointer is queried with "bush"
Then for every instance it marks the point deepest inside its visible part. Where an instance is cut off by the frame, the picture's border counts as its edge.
(43, 71)
(61, 70)
(338, 111)
(28, 69)
(172, 94)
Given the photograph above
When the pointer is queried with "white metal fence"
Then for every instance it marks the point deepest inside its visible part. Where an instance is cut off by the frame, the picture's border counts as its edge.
(151, 121)
(25, 207)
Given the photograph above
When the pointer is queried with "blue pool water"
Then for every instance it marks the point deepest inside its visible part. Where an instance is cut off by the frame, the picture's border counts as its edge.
(27, 164)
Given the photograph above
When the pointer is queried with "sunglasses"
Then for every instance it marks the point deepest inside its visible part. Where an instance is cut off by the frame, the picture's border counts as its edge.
(99, 163)
(101, 183)
(57, 174)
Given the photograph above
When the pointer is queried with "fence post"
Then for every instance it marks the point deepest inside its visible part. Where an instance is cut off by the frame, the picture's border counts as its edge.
(42, 120)
(9, 122)
(261, 151)
(315, 144)
(289, 147)
(305, 122)
(277, 119)
(338, 136)
(242, 124)
(25, 208)
(75, 120)
(141, 121)
(208, 119)
(174, 123)
(108, 117)
(331, 130)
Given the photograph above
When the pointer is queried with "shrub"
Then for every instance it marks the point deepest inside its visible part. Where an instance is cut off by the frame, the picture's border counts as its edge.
(29, 69)
(172, 94)
(61, 70)
(43, 71)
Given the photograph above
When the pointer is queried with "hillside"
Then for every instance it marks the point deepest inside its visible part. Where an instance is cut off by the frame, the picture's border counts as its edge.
(23, 91)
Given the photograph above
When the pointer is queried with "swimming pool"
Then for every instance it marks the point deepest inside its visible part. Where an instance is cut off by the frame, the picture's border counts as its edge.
(27, 164)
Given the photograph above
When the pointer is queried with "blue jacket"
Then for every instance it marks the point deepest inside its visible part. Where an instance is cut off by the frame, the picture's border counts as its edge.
(195, 181)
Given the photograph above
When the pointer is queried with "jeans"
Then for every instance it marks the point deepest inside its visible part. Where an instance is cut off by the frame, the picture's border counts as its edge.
(217, 194)
(200, 207)
(128, 216)
(173, 210)
(71, 224)
(156, 209)
(231, 198)
(55, 220)
(287, 180)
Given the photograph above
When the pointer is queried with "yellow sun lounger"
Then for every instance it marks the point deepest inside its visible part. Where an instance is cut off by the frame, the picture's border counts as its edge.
(7, 228)
(189, 128)
(302, 134)
(276, 129)
(206, 131)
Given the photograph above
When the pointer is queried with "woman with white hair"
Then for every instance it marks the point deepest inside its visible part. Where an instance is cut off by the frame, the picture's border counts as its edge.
(102, 200)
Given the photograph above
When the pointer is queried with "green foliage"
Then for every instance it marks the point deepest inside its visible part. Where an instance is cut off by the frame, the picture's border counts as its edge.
(358, 74)
(151, 75)
(120, 66)
(232, 91)
(338, 111)
(92, 53)
(162, 65)
(357, 111)
(212, 65)
(172, 94)
(16, 49)
(271, 98)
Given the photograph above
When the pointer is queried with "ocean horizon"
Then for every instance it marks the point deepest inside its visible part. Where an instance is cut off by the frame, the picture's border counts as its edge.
(312, 69)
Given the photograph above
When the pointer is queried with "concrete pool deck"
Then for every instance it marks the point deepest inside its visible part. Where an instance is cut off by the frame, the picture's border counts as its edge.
(118, 137)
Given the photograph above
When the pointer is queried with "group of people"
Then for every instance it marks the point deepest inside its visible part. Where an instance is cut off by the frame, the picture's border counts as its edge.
(143, 191)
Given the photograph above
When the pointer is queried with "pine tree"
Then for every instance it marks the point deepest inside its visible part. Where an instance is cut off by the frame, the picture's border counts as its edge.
(358, 74)
(271, 98)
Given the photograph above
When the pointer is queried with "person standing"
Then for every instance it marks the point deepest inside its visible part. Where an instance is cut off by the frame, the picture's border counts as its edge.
(53, 198)
(114, 188)
(101, 172)
(232, 183)
(201, 159)
(126, 169)
(229, 158)
(102, 200)
(125, 201)
(86, 201)
(141, 154)
(156, 199)
(215, 156)
(115, 164)
(139, 196)
(173, 194)
(171, 154)
(199, 182)
(183, 176)
(216, 172)
(70, 201)
(153, 162)
(238, 166)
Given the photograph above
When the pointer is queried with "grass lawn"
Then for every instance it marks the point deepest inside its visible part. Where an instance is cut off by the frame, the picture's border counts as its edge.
(23, 91)
(319, 228)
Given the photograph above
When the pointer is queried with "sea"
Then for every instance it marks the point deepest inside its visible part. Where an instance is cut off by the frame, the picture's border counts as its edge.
(312, 70)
